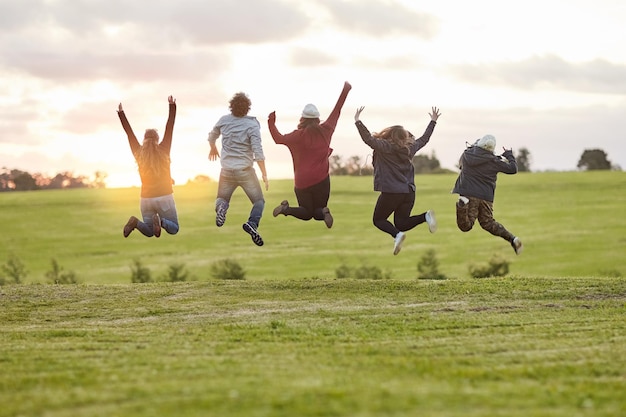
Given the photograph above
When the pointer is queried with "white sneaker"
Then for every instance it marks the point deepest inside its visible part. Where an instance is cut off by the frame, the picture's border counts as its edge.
(517, 245)
(432, 222)
(397, 242)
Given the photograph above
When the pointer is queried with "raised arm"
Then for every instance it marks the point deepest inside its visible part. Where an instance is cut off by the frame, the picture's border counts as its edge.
(166, 143)
(132, 139)
(423, 140)
(333, 117)
(271, 124)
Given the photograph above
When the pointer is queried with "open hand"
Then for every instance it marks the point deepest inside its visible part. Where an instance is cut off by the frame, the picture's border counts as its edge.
(171, 100)
(435, 114)
(357, 115)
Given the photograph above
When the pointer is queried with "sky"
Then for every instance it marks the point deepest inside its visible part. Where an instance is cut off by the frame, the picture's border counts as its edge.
(548, 76)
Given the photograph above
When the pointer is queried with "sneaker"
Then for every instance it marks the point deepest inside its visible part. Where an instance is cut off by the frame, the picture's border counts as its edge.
(284, 205)
(397, 242)
(251, 230)
(220, 215)
(156, 225)
(463, 201)
(517, 245)
(131, 225)
(432, 222)
(328, 218)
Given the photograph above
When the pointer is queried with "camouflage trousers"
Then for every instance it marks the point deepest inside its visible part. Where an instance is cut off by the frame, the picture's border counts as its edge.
(481, 210)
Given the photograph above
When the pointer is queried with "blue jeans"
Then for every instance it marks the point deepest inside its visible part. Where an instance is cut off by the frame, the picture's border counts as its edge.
(165, 207)
(246, 178)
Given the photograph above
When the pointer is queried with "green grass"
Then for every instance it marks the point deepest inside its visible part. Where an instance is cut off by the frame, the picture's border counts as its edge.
(291, 340)
(572, 224)
(315, 347)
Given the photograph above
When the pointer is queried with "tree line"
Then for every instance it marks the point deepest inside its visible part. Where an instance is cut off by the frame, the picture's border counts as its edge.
(18, 180)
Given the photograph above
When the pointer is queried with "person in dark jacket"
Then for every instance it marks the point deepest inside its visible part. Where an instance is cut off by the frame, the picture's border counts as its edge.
(310, 148)
(476, 186)
(394, 176)
(153, 160)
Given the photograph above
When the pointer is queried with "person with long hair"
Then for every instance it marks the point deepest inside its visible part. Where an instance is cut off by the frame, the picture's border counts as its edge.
(394, 177)
(157, 205)
(241, 147)
(476, 186)
(310, 149)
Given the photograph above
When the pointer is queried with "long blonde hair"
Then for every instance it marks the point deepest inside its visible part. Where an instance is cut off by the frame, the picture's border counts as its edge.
(150, 158)
(397, 135)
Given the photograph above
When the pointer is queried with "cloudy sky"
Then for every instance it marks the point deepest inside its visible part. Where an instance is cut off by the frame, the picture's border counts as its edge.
(546, 75)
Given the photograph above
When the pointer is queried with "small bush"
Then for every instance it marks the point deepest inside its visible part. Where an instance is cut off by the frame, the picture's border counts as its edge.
(368, 272)
(428, 266)
(176, 273)
(14, 270)
(343, 271)
(497, 267)
(227, 269)
(58, 276)
(139, 273)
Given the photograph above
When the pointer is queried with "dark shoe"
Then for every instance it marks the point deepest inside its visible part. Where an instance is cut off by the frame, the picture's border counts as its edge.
(251, 230)
(282, 209)
(220, 215)
(328, 218)
(516, 243)
(156, 225)
(131, 225)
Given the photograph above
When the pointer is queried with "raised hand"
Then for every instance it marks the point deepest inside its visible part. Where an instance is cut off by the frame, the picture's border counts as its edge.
(435, 114)
(357, 115)
(271, 118)
(119, 108)
(171, 100)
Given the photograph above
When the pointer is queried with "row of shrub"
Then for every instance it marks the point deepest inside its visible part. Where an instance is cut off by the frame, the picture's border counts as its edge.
(14, 271)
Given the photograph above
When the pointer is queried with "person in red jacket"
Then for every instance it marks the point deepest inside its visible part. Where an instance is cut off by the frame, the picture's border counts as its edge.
(310, 149)
(153, 160)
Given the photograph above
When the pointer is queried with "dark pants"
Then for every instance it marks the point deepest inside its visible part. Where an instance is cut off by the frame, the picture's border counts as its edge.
(311, 201)
(400, 204)
(483, 211)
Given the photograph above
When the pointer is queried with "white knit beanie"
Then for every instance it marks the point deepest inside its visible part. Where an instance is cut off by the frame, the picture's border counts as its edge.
(487, 142)
(310, 112)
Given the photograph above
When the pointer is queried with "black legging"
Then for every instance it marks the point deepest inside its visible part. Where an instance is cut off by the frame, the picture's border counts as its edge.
(400, 204)
(311, 201)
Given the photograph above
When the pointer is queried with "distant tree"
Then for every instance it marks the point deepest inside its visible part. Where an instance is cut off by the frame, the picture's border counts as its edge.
(425, 164)
(593, 159)
(99, 180)
(336, 166)
(524, 160)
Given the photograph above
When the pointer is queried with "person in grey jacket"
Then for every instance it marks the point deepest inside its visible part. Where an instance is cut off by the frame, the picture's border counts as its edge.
(394, 176)
(476, 186)
(241, 147)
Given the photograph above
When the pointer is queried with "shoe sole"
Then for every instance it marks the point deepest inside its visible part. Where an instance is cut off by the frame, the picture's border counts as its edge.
(328, 218)
(220, 217)
(131, 225)
(256, 237)
(397, 248)
(156, 226)
(278, 210)
(432, 224)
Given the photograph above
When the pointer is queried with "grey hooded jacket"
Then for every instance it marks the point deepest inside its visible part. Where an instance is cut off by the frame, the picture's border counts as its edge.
(479, 171)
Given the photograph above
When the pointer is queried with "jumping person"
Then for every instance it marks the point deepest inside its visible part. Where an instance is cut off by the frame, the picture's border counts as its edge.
(476, 186)
(310, 148)
(394, 177)
(241, 147)
(153, 160)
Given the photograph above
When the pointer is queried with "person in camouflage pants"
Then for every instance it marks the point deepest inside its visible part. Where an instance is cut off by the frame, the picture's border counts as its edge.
(476, 186)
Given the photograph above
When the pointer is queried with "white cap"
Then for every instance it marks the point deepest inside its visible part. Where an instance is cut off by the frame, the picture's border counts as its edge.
(487, 142)
(310, 112)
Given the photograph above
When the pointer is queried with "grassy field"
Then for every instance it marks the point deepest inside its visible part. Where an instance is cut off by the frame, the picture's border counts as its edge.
(572, 225)
(549, 339)
(315, 347)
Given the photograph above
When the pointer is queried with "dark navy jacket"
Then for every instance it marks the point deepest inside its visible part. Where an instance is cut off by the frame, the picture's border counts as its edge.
(479, 171)
(393, 165)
